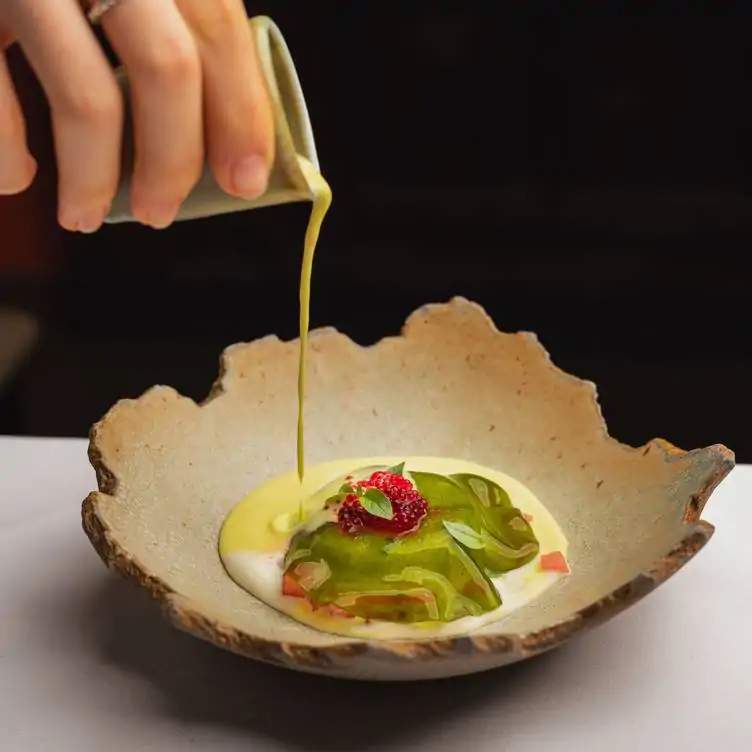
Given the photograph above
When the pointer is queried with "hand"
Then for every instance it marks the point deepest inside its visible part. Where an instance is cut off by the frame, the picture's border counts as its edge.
(197, 92)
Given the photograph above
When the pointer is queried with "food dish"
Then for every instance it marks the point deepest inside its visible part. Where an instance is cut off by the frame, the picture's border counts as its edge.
(169, 471)
(427, 546)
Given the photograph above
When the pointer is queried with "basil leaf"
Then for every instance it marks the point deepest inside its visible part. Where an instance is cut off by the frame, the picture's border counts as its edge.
(465, 535)
(347, 488)
(377, 504)
(396, 469)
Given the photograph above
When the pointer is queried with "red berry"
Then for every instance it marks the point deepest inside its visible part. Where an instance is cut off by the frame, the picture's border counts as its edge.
(409, 508)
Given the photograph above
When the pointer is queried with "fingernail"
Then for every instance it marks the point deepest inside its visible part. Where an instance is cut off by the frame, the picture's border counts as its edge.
(161, 215)
(78, 221)
(90, 221)
(250, 176)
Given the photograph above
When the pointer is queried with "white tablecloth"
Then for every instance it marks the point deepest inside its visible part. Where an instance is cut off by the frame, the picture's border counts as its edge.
(87, 664)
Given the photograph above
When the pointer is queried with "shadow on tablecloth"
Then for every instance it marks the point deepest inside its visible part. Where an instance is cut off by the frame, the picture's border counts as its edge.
(199, 684)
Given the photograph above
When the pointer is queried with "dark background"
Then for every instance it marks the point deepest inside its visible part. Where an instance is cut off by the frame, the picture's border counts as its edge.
(581, 169)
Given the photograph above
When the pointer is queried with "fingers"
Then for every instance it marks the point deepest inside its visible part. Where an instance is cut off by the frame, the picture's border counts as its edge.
(157, 48)
(86, 106)
(196, 85)
(237, 112)
(17, 166)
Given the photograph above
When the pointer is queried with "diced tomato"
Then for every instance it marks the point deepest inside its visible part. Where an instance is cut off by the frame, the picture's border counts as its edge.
(527, 517)
(290, 587)
(554, 562)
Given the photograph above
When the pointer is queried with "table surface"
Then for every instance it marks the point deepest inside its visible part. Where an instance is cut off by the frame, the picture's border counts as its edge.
(86, 663)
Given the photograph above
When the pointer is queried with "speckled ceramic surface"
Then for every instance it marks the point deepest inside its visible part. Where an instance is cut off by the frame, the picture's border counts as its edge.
(169, 470)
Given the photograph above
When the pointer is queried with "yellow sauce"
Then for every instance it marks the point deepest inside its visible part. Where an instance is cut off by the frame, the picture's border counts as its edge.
(322, 199)
(257, 532)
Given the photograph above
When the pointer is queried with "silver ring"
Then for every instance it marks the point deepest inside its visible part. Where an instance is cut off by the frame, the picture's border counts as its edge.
(98, 9)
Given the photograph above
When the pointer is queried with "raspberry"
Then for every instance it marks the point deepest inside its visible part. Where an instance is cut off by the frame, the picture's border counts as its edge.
(409, 508)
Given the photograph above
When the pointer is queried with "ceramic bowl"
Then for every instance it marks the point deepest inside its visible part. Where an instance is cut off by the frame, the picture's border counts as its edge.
(169, 470)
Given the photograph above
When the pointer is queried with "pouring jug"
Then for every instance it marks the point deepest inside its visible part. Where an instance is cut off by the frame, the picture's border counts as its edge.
(293, 133)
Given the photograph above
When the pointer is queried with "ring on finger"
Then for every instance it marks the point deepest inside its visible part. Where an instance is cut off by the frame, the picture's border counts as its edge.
(97, 8)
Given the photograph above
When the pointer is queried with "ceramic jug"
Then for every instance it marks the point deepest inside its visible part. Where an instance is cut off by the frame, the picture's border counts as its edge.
(293, 133)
